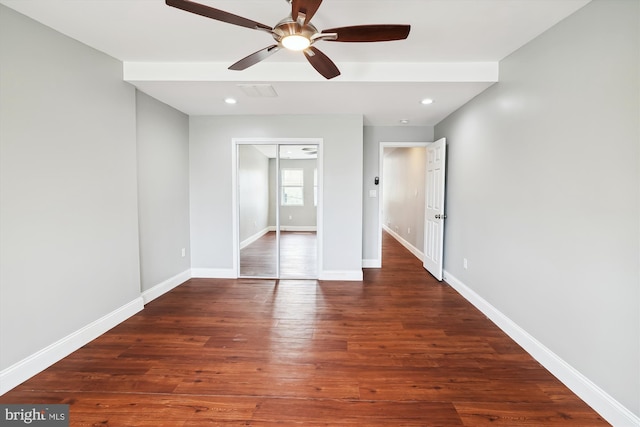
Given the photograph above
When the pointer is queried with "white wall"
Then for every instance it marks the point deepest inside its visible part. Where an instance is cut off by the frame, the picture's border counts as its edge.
(373, 136)
(211, 188)
(543, 194)
(69, 217)
(253, 191)
(403, 185)
(163, 191)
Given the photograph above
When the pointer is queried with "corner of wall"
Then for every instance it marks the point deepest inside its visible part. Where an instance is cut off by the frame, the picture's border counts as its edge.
(610, 409)
(165, 286)
(39, 361)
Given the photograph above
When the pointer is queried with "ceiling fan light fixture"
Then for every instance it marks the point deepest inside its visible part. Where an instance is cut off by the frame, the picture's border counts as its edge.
(296, 42)
(296, 32)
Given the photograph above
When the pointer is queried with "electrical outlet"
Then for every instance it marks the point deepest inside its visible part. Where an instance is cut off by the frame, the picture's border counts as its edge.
(409, 230)
(184, 252)
(464, 263)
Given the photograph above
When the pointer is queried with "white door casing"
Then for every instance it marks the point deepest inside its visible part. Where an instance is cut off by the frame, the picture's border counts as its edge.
(434, 215)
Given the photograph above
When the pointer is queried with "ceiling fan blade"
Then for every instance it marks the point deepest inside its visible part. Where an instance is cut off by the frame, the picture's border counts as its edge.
(217, 14)
(369, 33)
(321, 63)
(308, 7)
(255, 57)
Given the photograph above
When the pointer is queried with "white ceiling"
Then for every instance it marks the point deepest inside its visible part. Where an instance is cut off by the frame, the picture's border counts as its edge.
(289, 151)
(451, 54)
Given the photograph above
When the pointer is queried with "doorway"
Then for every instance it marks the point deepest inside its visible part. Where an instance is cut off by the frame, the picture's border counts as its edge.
(402, 194)
(277, 207)
(411, 200)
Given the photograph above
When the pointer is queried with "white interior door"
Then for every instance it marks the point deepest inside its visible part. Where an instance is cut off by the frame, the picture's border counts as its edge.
(434, 208)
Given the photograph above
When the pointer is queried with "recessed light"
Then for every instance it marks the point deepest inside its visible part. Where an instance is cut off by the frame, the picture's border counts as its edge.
(426, 101)
(404, 121)
(230, 101)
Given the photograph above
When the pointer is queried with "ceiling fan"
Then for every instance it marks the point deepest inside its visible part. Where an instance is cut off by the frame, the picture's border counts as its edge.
(295, 32)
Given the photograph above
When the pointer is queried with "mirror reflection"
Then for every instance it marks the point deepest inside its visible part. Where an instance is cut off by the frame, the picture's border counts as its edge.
(298, 211)
(277, 207)
(257, 231)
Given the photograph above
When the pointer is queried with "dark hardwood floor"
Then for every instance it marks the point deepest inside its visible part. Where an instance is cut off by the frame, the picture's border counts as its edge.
(298, 256)
(398, 349)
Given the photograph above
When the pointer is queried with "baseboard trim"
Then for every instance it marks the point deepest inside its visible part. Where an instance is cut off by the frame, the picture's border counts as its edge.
(213, 273)
(415, 251)
(164, 287)
(301, 228)
(605, 405)
(371, 263)
(23, 370)
(249, 240)
(341, 275)
(337, 275)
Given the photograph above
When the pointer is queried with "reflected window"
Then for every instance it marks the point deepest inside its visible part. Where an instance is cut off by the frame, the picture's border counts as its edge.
(292, 187)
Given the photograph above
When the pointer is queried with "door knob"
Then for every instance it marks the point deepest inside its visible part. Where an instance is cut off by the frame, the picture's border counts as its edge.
(440, 216)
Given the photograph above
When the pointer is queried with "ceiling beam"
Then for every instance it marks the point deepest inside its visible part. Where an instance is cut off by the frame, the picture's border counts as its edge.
(436, 72)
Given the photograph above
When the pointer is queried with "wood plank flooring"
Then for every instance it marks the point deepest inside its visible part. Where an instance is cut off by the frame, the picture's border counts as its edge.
(398, 349)
(298, 256)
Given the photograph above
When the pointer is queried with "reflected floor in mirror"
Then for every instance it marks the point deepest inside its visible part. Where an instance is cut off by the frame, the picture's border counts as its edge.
(298, 256)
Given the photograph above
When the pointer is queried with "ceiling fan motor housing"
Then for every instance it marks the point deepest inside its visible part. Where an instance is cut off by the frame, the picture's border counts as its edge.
(289, 27)
(295, 32)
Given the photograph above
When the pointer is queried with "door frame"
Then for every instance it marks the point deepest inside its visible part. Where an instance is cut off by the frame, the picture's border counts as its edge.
(384, 145)
(235, 142)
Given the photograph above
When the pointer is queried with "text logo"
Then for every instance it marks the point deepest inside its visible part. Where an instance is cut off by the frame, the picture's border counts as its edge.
(34, 415)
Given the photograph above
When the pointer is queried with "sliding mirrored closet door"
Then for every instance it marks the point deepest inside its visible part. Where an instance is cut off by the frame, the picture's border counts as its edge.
(257, 231)
(298, 211)
(277, 210)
